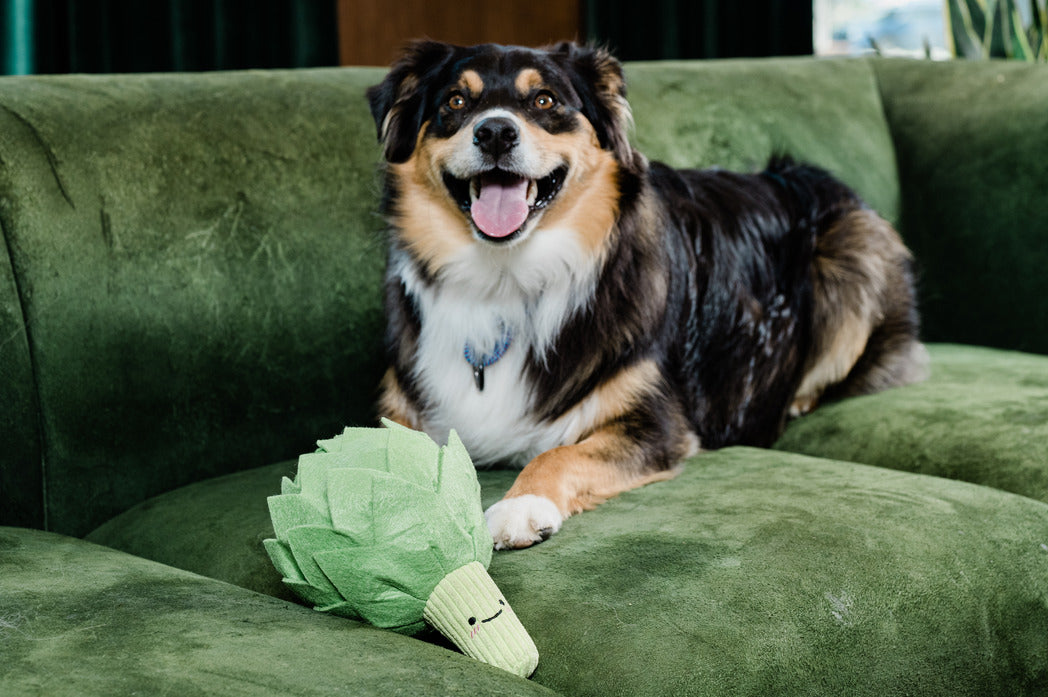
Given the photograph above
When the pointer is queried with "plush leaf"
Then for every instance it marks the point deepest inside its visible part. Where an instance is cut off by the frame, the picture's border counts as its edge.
(390, 587)
(319, 598)
(304, 543)
(288, 486)
(381, 509)
(363, 442)
(412, 455)
(340, 607)
(288, 511)
(283, 560)
(458, 486)
(312, 479)
(376, 520)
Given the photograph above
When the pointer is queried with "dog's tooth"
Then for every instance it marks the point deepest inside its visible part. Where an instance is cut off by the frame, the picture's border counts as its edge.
(533, 192)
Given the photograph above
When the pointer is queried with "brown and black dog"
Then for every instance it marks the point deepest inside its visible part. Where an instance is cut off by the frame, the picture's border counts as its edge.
(565, 304)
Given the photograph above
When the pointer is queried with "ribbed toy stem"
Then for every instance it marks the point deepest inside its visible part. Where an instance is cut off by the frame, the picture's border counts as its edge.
(469, 609)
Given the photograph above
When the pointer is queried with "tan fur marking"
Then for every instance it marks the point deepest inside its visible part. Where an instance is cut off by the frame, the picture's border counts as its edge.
(588, 202)
(613, 398)
(470, 80)
(527, 80)
(606, 461)
(428, 221)
(394, 405)
(835, 361)
(580, 477)
(852, 274)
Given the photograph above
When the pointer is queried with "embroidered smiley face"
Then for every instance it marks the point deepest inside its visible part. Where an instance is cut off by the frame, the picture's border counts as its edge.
(478, 625)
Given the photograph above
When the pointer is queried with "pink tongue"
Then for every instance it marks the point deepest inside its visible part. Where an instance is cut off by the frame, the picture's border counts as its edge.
(502, 206)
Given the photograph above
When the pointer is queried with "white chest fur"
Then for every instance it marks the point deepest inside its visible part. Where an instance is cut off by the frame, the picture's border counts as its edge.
(529, 291)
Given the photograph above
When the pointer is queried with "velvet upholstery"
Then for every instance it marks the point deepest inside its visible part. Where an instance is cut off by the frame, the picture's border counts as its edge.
(20, 461)
(805, 567)
(200, 293)
(85, 621)
(190, 297)
(736, 114)
(972, 176)
(981, 417)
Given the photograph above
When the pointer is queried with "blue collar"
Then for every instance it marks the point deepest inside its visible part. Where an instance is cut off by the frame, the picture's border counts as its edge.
(485, 360)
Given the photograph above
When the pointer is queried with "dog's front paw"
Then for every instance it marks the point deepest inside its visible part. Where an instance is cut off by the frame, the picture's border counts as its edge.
(522, 521)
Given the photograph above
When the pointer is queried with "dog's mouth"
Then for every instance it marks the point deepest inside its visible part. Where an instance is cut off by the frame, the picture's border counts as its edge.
(500, 203)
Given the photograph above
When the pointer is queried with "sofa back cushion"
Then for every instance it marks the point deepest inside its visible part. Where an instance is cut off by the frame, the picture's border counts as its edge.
(971, 139)
(736, 114)
(21, 490)
(200, 267)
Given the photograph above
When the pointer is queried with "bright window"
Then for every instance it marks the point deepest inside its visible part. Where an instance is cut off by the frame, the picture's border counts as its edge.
(894, 27)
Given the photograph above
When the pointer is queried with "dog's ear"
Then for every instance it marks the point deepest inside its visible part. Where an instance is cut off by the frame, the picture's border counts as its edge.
(398, 103)
(597, 77)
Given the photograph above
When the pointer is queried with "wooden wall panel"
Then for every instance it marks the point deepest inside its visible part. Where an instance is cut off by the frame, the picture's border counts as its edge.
(371, 32)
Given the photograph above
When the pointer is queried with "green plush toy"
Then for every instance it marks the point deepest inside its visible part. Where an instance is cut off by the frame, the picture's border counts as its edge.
(384, 526)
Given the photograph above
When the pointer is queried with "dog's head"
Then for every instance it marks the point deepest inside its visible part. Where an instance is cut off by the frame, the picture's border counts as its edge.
(492, 145)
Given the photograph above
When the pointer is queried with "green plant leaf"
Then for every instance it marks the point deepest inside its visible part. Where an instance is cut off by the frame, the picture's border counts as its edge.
(965, 38)
(979, 10)
(998, 39)
(1022, 50)
(1038, 31)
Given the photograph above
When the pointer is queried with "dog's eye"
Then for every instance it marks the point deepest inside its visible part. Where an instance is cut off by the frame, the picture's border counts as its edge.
(456, 101)
(545, 100)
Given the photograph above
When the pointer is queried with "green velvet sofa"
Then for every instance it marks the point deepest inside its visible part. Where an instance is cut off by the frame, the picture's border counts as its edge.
(190, 298)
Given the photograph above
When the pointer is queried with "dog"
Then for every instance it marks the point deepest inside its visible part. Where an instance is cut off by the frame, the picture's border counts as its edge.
(569, 306)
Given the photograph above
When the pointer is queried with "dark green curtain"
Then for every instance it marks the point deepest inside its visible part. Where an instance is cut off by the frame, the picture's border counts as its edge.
(105, 36)
(661, 29)
(60, 36)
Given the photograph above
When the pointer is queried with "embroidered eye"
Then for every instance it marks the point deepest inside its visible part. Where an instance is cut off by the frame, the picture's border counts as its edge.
(544, 100)
(456, 101)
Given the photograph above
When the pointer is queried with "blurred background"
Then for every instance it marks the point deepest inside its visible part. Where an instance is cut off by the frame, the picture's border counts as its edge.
(60, 36)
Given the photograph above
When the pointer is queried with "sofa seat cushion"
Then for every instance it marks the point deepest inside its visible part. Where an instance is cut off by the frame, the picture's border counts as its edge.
(981, 417)
(755, 572)
(214, 528)
(79, 619)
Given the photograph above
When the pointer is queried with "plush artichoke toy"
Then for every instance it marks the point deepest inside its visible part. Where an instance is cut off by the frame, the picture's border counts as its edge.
(384, 526)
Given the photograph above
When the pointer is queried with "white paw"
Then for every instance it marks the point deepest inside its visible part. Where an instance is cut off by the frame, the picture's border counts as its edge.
(522, 521)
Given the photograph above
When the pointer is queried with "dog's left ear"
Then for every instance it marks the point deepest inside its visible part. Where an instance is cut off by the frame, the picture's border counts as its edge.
(398, 103)
(597, 77)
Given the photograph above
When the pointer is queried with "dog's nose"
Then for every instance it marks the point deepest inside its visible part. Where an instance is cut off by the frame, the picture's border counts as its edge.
(496, 135)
